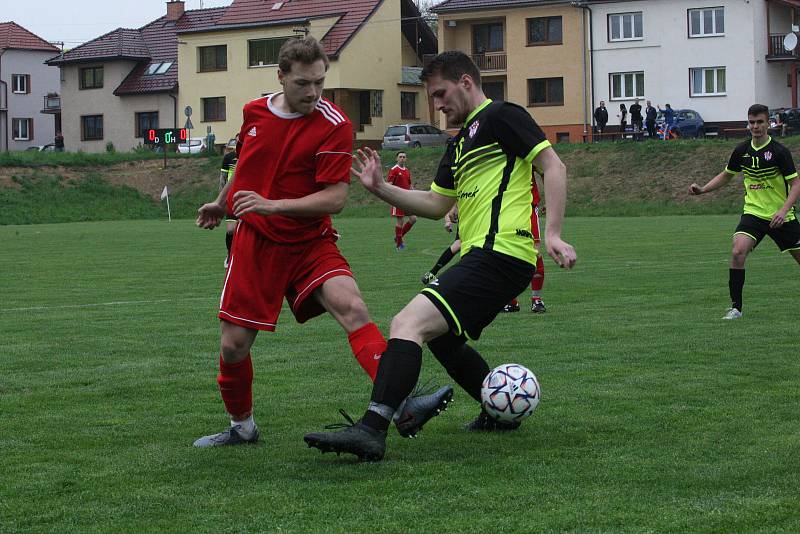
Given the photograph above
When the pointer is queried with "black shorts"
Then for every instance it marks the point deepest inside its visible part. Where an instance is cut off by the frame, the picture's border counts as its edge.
(787, 237)
(473, 291)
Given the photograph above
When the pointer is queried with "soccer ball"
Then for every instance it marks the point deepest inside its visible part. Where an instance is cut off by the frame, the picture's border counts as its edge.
(510, 392)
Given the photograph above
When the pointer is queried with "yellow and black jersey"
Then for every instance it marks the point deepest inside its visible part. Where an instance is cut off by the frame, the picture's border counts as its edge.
(767, 171)
(229, 164)
(488, 168)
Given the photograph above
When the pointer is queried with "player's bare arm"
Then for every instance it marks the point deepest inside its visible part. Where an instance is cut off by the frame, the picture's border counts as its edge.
(210, 215)
(780, 216)
(328, 201)
(555, 186)
(428, 204)
(715, 183)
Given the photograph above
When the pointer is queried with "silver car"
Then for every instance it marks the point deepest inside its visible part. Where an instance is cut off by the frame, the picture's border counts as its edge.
(399, 136)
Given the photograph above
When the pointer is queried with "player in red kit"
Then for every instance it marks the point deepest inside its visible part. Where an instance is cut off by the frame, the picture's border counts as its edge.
(400, 176)
(537, 282)
(295, 153)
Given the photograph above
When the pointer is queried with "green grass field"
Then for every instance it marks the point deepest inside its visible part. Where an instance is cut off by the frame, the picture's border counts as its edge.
(656, 415)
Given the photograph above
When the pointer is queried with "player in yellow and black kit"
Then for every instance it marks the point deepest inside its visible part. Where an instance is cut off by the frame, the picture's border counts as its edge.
(486, 171)
(225, 175)
(769, 200)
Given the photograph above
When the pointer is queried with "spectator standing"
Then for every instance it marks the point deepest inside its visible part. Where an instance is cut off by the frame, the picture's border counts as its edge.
(650, 120)
(623, 117)
(636, 116)
(601, 117)
(58, 142)
(669, 116)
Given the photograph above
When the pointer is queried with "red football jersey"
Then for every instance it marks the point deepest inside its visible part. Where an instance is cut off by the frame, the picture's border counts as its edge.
(399, 176)
(535, 192)
(283, 156)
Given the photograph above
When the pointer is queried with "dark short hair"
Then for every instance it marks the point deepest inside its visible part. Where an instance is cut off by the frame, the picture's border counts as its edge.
(758, 109)
(451, 65)
(306, 50)
(401, 152)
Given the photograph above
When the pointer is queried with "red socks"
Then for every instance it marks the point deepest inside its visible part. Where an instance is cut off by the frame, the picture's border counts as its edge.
(368, 344)
(406, 227)
(236, 386)
(538, 277)
(398, 235)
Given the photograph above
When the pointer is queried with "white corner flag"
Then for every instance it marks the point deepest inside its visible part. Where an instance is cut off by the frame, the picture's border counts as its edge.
(165, 194)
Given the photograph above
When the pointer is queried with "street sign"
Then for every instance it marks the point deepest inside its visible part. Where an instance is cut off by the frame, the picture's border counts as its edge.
(187, 111)
(188, 124)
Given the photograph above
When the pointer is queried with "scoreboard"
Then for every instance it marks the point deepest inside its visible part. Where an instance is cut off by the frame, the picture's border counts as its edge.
(166, 136)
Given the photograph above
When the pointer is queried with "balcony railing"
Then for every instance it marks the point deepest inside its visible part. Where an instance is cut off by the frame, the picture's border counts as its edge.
(490, 61)
(777, 51)
(52, 104)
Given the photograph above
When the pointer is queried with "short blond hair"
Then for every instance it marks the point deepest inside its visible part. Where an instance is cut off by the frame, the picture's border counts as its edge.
(306, 50)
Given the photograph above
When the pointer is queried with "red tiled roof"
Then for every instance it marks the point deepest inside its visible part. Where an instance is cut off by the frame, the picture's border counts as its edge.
(156, 42)
(468, 5)
(352, 13)
(14, 36)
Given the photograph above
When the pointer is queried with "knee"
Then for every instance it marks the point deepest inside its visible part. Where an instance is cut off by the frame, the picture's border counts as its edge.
(234, 350)
(739, 255)
(352, 313)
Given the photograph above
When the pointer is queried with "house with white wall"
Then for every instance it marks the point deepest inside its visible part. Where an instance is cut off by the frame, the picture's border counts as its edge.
(717, 57)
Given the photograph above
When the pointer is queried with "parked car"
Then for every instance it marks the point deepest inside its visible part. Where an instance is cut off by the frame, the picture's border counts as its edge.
(42, 148)
(194, 146)
(792, 118)
(685, 123)
(399, 136)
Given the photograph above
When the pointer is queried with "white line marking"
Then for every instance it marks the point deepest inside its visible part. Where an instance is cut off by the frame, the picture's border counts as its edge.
(101, 304)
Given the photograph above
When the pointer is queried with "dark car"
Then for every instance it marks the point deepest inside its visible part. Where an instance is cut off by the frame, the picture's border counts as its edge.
(686, 123)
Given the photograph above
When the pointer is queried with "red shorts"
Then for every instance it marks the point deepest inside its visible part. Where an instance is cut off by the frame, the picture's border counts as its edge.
(397, 212)
(262, 272)
(535, 226)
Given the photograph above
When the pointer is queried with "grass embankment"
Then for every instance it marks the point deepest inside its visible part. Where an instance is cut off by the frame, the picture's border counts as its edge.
(623, 178)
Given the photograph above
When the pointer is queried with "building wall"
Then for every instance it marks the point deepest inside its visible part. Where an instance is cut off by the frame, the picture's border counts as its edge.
(44, 79)
(528, 62)
(666, 54)
(372, 60)
(119, 122)
(771, 77)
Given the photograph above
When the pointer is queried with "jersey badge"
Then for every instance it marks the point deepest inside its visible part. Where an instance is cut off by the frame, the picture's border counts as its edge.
(767, 155)
(252, 132)
(474, 128)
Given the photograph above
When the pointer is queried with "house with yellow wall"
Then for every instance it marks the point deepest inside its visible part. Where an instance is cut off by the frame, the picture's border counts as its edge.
(532, 53)
(375, 46)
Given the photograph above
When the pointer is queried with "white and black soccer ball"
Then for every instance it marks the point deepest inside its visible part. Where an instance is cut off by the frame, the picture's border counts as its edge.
(510, 392)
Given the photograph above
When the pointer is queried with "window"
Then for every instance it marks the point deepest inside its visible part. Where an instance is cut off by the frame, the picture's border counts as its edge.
(158, 68)
(91, 78)
(213, 109)
(494, 90)
(21, 83)
(487, 38)
(708, 22)
(707, 81)
(544, 31)
(22, 129)
(91, 127)
(626, 85)
(265, 51)
(144, 121)
(625, 27)
(376, 103)
(546, 92)
(408, 105)
(212, 58)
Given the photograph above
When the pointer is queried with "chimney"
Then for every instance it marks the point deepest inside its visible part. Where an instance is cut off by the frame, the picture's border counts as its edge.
(174, 9)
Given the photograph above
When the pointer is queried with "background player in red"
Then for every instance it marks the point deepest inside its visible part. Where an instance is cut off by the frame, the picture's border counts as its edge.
(400, 176)
(295, 153)
(537, 282)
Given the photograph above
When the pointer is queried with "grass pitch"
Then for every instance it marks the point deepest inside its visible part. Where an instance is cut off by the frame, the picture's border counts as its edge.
(656, 415)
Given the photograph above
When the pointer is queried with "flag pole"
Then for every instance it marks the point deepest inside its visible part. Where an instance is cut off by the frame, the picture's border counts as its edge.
(169, 214)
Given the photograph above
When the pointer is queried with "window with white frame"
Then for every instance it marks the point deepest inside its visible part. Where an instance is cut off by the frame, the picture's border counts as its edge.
(20, 83)
(626, 85)
(22, 129)
(625, 27)
(707, 22)
(707, 81)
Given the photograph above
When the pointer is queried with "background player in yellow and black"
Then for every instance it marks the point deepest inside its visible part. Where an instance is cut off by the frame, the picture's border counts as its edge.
(486, 170)
(225, 174)
(771, 191)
